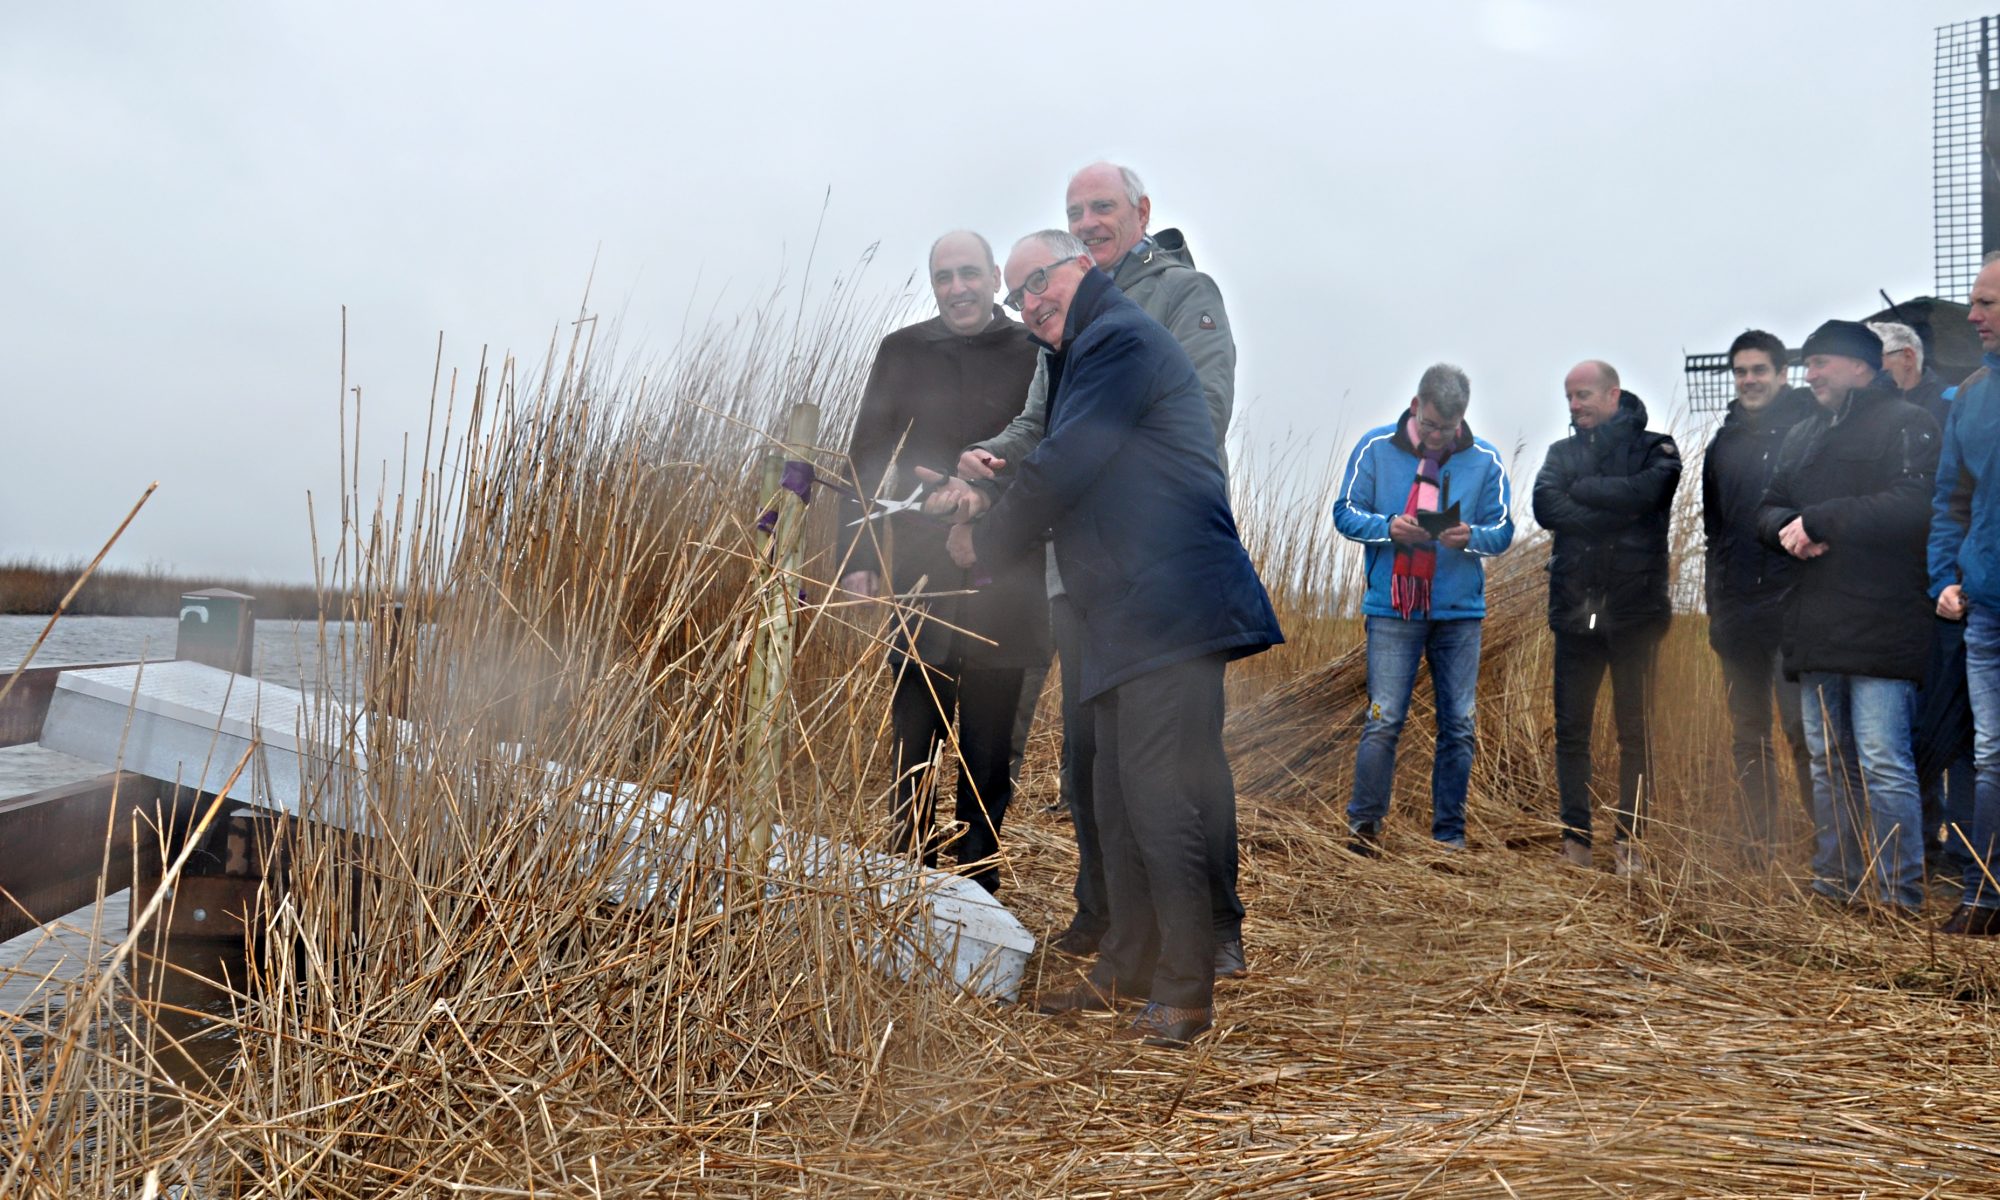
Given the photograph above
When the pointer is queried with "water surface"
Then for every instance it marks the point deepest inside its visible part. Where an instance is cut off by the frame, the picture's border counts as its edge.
(282, 652)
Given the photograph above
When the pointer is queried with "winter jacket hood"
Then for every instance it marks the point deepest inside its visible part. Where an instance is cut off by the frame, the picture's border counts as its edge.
(1162, 280)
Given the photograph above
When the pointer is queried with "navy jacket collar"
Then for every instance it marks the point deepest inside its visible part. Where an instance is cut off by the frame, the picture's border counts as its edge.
(1094, 293)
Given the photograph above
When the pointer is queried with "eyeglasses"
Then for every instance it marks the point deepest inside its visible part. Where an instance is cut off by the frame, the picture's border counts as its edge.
(1035, 284)
(1430, 426)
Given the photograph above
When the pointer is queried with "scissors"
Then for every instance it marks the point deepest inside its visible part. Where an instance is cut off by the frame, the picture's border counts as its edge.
(882, 508)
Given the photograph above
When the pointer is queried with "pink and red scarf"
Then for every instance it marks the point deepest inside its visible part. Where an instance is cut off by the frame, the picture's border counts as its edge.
(1415, 566)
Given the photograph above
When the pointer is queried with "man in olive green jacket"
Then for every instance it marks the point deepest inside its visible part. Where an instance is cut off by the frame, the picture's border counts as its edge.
(1108, 209)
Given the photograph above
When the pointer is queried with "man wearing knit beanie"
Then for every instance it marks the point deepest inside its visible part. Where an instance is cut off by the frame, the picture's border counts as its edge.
(1843, 339)
(1849, 499)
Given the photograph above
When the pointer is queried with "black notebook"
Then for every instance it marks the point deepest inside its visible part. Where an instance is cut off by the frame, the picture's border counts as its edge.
(1435, 523)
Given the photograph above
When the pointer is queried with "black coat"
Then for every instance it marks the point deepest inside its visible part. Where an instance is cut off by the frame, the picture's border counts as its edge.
(1862, 482)
(1747, 581)
(1607, 495)
(933, 391)
(1129, 481)
(1928, 394)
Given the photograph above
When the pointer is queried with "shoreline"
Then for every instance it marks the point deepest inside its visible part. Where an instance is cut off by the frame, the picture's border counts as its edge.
(35, 587)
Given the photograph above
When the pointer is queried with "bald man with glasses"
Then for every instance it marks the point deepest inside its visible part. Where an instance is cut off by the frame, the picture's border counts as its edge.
(1129, 483)
(1109, 211)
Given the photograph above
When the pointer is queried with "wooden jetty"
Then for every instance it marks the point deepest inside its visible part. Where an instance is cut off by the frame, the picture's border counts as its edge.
(174, 737)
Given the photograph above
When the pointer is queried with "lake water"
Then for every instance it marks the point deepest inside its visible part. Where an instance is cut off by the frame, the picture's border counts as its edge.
(283, 652)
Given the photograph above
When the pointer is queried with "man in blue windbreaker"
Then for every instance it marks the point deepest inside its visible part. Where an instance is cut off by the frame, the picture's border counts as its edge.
(1430, 501)
(1965, 581)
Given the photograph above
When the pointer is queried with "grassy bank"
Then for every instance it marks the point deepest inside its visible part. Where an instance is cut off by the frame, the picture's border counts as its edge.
(471, 1013)
(36, 587)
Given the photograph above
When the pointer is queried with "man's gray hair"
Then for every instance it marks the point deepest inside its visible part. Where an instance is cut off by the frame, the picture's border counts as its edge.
(1446, 389)
(1135, 188)
(1059, 242)
(1992, 256)
(1897, 336)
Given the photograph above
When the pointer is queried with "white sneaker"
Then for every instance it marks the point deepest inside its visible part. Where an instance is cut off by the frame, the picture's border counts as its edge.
(1626, 861)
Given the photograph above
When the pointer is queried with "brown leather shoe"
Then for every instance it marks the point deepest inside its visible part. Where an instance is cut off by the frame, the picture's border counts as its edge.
(1165, 1025)
(1967, 921)
(1077, 942)
(1084, 997)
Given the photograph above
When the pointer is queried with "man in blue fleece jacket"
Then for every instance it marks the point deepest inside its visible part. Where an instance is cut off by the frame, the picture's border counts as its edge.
(1426, 589)
(1965, 581)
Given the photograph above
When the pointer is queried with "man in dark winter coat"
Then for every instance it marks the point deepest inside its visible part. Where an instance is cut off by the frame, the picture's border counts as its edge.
(1109, 211)
(1606, 493)
(936, 385)
(1850, 500)
(1129, 482)
(1747, 581)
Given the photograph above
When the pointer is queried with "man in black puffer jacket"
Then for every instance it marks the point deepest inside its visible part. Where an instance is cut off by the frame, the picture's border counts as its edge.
(1605, 493)
(1747, 581)
(1850, 501)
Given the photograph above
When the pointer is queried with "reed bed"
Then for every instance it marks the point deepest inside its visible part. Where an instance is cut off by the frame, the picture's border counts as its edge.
(35, 587)
(478, 1001)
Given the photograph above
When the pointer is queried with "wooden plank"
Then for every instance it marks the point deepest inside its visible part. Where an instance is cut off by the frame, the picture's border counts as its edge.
(21, 716)
(53, 845)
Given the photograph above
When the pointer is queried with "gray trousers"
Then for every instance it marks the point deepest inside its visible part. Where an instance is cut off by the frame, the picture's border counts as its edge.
(1079, 774)
(1164, 794)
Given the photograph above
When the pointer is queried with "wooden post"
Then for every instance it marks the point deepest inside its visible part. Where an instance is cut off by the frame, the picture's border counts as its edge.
(56, 840)
(770, 670)
(389, 661)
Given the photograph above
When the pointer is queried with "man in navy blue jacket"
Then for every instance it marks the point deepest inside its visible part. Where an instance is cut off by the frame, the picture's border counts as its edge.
(1426, 589)
(1128, 481)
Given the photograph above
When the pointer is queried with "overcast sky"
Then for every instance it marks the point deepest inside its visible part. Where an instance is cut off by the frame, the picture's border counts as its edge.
(193, 190)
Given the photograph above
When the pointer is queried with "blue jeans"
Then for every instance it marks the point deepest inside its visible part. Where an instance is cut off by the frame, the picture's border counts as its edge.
(1864, 777)
(1395, 647)
(1982, 673)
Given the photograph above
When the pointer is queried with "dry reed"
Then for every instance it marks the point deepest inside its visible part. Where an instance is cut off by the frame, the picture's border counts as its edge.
(460, 1006)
